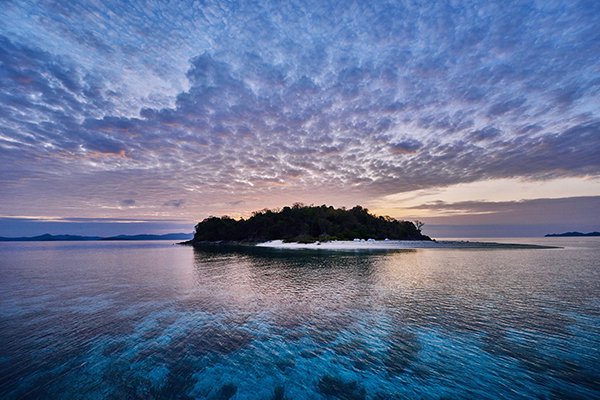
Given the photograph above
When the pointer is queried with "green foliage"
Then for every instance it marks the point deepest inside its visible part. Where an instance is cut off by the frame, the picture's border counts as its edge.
(306, 224)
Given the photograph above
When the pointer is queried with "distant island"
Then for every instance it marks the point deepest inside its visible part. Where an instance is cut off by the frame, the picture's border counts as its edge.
(572, 234)
(168, 236)
(306, 224)
(76, 238)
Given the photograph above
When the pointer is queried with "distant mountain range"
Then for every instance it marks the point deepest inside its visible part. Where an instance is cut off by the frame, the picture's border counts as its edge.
(76, 238)
(168, 236)
(568, 234)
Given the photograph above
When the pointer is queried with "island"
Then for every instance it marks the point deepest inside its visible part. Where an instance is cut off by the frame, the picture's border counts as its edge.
(306, 224)
(301, 227)
(572, 234)
(46, 237)
(77, 238)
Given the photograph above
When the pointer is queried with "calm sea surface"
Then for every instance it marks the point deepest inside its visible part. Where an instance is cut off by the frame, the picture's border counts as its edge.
(128, 320)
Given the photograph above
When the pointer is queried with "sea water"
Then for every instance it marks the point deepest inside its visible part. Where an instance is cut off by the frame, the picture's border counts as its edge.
(151, 320)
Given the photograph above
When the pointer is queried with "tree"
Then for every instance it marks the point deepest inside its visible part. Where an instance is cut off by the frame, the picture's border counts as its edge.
(301, 222)
(419, 225)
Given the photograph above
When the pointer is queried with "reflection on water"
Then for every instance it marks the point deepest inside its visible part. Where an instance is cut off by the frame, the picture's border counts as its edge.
(152, 320)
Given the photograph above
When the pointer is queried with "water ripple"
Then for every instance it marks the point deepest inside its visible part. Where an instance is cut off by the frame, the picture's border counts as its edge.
(161, 321)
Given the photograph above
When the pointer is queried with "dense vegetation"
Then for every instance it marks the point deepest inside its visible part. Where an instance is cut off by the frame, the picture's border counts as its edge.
(307, 224)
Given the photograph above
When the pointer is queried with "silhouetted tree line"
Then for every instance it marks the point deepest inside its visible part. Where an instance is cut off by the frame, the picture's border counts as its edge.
(301, 223)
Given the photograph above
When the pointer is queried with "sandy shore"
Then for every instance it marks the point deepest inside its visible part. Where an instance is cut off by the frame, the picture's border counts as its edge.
(396, 244)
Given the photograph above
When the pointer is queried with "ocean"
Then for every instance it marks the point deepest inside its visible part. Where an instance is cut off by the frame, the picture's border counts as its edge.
(152, 320)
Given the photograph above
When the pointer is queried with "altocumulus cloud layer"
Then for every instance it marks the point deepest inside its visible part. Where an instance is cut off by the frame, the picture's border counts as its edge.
(186, 109)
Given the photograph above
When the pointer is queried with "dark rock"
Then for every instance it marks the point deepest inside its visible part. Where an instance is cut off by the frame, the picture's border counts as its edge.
(285, 364)
(279, 393)
(226, 392)
(338, 388)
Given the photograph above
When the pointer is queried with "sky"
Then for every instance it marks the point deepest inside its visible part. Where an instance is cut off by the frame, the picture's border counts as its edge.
(478, 118)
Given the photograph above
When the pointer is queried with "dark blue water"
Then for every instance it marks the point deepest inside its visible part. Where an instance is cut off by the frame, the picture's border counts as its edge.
(126, 320)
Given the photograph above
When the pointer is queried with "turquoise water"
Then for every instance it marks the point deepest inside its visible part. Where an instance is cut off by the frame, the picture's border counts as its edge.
(127, 320)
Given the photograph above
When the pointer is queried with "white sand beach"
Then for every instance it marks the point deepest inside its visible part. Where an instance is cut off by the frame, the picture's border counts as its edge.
(393, 245)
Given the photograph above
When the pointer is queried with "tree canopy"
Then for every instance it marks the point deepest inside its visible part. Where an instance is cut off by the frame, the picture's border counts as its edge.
(301, 223)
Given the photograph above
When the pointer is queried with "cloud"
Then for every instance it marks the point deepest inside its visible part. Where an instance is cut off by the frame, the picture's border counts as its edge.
(487, 133)
(127, 203)
(174, 203)
(408, 146)
(259, 103)
(576, 211)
